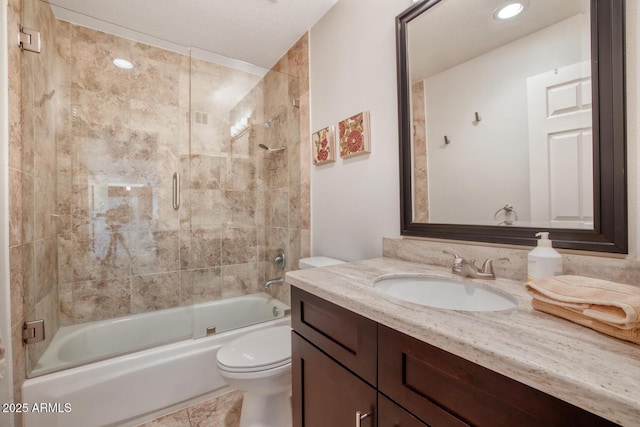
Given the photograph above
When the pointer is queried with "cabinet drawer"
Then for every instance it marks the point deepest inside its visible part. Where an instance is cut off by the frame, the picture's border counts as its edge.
(392, 415)
(346, 336)
(325, 393)
(430, 382)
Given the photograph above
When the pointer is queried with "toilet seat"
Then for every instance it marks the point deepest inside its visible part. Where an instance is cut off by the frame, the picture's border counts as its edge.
(257, 351)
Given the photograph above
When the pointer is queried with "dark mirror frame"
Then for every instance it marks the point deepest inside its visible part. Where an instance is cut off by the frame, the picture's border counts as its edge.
(609, 145)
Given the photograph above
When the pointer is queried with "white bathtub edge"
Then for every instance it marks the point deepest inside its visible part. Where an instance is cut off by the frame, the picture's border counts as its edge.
(135, 386)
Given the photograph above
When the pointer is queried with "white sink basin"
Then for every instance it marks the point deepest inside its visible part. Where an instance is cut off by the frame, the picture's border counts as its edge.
(445, 293)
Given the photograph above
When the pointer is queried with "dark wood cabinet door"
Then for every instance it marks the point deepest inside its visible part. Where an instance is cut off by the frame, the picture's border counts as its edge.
(443, 390)
(392, 415)
(344, 335)
(325, 394)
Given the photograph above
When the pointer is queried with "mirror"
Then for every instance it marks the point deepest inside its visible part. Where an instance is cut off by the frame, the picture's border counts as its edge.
(510, 127)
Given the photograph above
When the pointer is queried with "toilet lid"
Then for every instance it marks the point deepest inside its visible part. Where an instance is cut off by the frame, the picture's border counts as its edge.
(259, 350)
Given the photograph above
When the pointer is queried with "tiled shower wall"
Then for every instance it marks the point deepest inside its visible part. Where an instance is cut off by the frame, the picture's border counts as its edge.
(282, 185)
(34, 100)
(294, 63)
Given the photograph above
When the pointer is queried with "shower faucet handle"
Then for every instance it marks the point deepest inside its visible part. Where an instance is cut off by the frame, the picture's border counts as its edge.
(280, 260)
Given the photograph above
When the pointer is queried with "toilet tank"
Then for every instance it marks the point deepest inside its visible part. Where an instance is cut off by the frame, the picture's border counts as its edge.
(318, 261)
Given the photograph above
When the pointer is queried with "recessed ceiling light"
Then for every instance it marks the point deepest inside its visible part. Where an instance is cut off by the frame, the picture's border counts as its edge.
(508, 10)
(122, 63)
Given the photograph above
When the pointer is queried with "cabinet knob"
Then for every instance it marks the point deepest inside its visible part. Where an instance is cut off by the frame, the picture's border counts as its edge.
(360, 416)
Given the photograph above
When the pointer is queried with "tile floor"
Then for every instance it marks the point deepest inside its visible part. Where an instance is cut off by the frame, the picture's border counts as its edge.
(219, 411)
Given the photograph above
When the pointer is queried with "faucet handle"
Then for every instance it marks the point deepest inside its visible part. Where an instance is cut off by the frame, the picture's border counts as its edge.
(457, 261)
(487, 265)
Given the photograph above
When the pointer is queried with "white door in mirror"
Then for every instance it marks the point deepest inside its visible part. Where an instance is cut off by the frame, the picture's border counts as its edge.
(560, 147)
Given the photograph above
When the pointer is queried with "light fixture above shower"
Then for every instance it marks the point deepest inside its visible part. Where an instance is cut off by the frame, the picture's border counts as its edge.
(122, 63)
(240, 127)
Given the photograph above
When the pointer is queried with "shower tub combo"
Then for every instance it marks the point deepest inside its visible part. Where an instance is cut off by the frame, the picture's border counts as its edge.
(124, 389)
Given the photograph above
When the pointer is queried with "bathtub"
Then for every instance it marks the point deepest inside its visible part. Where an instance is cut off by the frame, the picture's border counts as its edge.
(123, 389)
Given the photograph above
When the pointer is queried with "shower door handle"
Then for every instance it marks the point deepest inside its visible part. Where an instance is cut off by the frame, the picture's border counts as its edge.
(176, 191)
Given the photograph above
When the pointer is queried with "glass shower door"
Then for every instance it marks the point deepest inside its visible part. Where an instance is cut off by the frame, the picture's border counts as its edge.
(120, 132)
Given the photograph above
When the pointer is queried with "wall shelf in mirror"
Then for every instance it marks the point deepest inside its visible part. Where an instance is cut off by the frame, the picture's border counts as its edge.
(563, 119)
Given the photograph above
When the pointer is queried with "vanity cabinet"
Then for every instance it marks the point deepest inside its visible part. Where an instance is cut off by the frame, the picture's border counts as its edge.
(325, 393)
(333, 364)
(390, 414)
(343, 363)
(434, 385)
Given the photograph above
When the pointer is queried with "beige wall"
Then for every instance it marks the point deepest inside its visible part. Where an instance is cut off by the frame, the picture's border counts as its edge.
(355, 205)
(355, 202)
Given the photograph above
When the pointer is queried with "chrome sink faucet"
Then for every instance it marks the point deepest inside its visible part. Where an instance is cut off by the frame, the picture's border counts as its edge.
(465, 268)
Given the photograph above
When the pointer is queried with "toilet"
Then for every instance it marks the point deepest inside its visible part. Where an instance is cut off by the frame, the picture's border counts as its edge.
(259, 364)
(318, 261)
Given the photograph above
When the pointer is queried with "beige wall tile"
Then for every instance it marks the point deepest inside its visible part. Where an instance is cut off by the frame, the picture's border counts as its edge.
(46, 255)
(200, 249)
(19, 355)
(154, 292)
(155, 251)
(239, 246)
(200, 285)
(16, 208)
(240, 279)
(16, 271)
(14, 63)
(101, 299)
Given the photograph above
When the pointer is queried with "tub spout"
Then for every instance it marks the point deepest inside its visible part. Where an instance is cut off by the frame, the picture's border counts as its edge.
(270, 282)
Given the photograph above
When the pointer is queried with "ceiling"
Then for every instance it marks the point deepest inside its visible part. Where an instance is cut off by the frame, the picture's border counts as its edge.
(253, 34)
(455, 31)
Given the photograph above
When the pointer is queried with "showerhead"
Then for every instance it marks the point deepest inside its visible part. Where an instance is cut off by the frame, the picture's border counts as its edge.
(267, 124)
(271, 150)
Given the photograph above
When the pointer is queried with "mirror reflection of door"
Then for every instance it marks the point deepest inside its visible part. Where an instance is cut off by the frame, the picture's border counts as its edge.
(560, 150)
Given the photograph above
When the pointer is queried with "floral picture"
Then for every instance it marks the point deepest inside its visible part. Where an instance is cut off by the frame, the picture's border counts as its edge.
(354, 135)
(324, 146)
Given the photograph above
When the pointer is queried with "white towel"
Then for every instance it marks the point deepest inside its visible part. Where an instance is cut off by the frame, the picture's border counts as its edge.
(608, 307)
(612, 303)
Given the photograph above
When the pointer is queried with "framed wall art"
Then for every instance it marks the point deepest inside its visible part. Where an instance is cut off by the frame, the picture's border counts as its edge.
(324, 146)
(355, 135)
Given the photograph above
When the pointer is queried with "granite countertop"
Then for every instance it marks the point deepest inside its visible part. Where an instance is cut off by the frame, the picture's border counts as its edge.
(576, 364)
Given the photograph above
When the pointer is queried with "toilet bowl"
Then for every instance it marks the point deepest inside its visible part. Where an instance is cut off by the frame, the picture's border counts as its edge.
(259, 364)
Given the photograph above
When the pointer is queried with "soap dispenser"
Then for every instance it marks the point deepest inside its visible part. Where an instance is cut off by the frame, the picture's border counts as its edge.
(543, 261)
